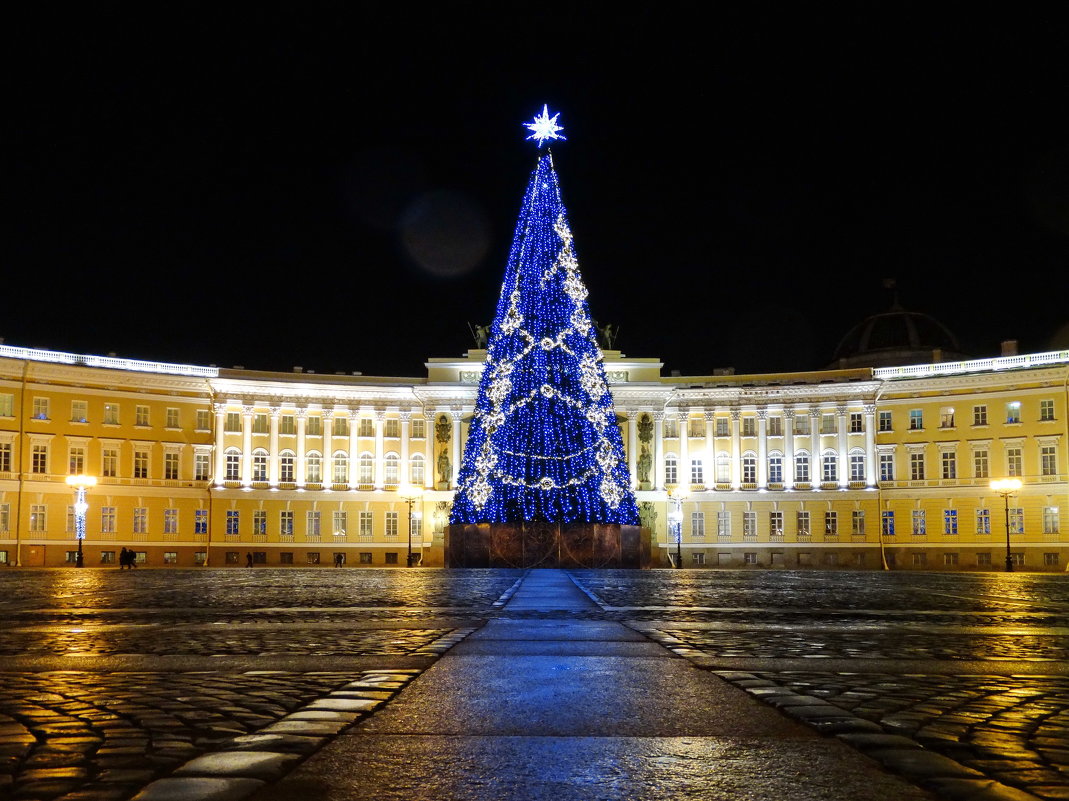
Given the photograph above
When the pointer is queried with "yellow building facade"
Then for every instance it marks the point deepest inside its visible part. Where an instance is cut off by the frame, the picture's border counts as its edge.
(868, 468)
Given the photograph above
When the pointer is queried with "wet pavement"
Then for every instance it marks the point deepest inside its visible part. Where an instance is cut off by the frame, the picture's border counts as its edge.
(220, 683)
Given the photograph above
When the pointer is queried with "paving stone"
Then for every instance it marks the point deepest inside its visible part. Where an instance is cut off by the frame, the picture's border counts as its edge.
(195, 788)
(264, 765)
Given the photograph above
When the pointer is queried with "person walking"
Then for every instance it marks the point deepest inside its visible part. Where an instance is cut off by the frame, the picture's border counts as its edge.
(124, 558)
(248, 560)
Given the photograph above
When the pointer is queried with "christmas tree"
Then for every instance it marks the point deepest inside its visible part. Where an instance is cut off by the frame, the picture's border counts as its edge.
(543, 444)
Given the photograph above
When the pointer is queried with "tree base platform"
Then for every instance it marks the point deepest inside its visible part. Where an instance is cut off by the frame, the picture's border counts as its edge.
(551, 545)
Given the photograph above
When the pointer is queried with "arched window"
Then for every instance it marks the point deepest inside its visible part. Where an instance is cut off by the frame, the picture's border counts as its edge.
(233, 464)
(830, 467)
(723, 468)
(801, 467)
(341, 467)
(775, 468)
(287, 467)
(416, 474)
(366, 474)
(749, 468)
(671, 474)
(259, 465)
(857, 465)
(313, 468)
(393, 469)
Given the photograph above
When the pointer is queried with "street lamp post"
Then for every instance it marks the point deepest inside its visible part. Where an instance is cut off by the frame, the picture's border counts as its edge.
(1007, 487)
(80, 483)
(410, 496)
(676, 517)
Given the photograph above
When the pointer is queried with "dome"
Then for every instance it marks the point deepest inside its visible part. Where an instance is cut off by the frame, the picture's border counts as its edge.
(897, 337)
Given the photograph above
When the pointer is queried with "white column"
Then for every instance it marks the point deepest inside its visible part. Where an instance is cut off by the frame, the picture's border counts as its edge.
(762, 448)
(684, 449)
(272, 459)
(429, 466)
(816, 463)
(220, 455)
(405, 467)
(328, 447)
(302, 414)
(380, 456)
(354, 448)
(844, 465)
(632, 446)
(736, 450)
(709, 462)
(658, 449)
(870, 445)
(456, 448)
(246, 446)
(788, 448)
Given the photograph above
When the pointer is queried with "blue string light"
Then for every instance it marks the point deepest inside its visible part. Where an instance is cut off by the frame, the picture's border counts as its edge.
(543, 443)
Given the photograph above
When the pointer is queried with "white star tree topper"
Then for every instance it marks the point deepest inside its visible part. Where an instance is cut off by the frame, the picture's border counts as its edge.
(544, 127)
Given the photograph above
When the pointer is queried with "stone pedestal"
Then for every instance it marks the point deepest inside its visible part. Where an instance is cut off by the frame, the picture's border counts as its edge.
(527, 545)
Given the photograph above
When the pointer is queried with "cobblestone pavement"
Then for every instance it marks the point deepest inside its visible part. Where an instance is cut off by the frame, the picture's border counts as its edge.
(157, 684)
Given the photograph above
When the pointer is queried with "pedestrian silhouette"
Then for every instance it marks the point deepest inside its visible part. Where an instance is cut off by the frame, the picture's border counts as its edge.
(124, 558)
(248, 560)
(337, 560)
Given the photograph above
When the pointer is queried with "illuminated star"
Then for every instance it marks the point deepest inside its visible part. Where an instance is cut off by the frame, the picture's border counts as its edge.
(544, 127)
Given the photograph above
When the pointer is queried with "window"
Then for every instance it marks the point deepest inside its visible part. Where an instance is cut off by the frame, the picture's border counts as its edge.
(5, 457)
(857, 523)
(312, 557)
(698, 558)
(749, 469)
(1050, 520)
(202, 466)
(801, 423)
(140, 464)
(916, 420)
(418, 428)
(801, 467)
(697, 524)
(366, 469)
(170, 557)
(313, 468)
(723, 468)
(749, 427)
(392, 428)
(367, 522)
(259, 465)
(949, 462)
(802, 522)
(775, 523)
(5, 518)
(313, 520)
(857, 466)
(287, 467)
(775, 469)
(40, 408)
(887, 523)
(341, 468)
(107, 557)
(204, 420)
(391, 524)
(885, 421)
(828, 424)
(775, 426)
(697, 475)
(259, 522)
(1016, 520)
(170, 521)
(980, 463)
(416, 472)
(916, 466)
(670, 472)
(1017, 558)
(314, 426)
(1050, 559)
(983, 560)
(341, 523)
(287, 424)
(232, 423)
(950, 521)
(671, 428)
(392, 469)
(920, 559)
(920, 526)
(232, 461)
(695, 427)
(7, 404)
(950, 559)
(341, 425)
(260, 424)
(39, 459)
(285, 523)
(232, 557)
(857, 423)
(140, 520)
(1013, 412)
(749, 558)
(172, 418)
(200, 521)
(285, 558)
(831, 524)
(367, 427)
(983, 521)
(38, 518)
(170, 466)
(1014, 462)
(946, 417)
(831, 559)
(141, 415)
(365, 558)
(722, 427)
(107, 520)
(723, 524)
(79, 411)
(830, 468)
(1046, 411)
(233, 522)
(979, 415)
(76, 460)
(1048, 460)
(391, 557)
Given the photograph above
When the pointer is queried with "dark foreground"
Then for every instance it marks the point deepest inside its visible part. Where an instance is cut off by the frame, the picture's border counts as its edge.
(273, 684)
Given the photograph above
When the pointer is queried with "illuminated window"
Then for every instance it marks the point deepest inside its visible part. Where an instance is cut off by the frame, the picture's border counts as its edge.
(341, 468)
(857, 523)
(38, 518)
(828, 424)
(313, 468)
(887, 523)
(313, 525)
(723, 524)
(107, 519)
(950, 521)
(857, 465)
(259, 465)
(233, 522)
(803, 524)
(775, 523)
(831, 524)
(670, 469)
(723, 468)
(920, 524)
(801, 467)
(801, 423)
(392, 469)
(79, 411)
(40, 408)
(416, 470)
(1051, 520)
(697, 474)
(775, 468)
(749, 524)
(1013, 412)
(140, 520)
(170, 521)
(391, 524)
(367, 522)
(140, 464)
(946, 418)
(341, 523)
(7, 404)
(749, 469)
(830, 467)
(287, 467)
(983, 521)
(259, 522)
(285, 523)
(366, 467)
(232, 461)
(695, 427)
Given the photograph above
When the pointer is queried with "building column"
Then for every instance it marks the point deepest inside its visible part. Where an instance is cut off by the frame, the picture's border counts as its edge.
(788, 448)
(844, 463)
(684, 449)
(272, 459)
(709, 462)
(246, 446)
(816, 464)
(455, 447)
(762, 448)
(354, 447)
(405, 467)
(870, 445)
(302, 414)
(429, 467)
(658, 449)
(632, 446)
(328, 447)
(736, 449)
(380, 456)
(220, 455)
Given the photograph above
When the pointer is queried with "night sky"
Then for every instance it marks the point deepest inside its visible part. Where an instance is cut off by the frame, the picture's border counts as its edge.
(336, 185)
